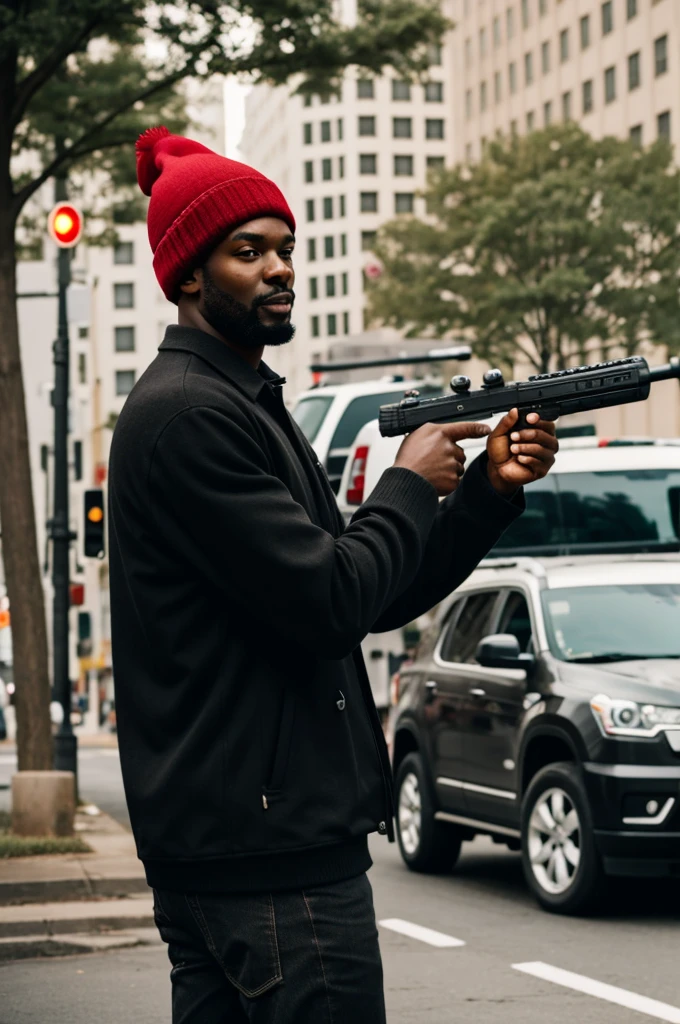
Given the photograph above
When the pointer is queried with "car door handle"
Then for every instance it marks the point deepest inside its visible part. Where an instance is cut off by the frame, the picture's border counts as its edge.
(431, 686)
(477, 691)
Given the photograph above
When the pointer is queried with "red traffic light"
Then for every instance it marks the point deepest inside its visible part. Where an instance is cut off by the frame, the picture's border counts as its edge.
(65, 225)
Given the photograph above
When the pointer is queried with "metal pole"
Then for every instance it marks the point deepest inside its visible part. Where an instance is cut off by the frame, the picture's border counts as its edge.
(65, 742)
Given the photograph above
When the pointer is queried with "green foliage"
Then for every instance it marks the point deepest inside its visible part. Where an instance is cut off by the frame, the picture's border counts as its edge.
(553, 244)
(33, 846)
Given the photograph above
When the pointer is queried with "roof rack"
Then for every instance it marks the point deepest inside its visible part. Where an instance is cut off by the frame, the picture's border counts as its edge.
(435, 355)
(527, 562)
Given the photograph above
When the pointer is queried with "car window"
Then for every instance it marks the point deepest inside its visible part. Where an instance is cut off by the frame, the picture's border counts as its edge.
(363, 409)
(309, 414)
(539, 525)
(516, 620)
(468, 627)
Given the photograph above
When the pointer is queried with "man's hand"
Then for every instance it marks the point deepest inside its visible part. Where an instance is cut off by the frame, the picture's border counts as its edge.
(516, 457)
(431, 451)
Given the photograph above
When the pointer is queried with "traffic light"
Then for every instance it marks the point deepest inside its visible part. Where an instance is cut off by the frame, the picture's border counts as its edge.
(65, 225)
(94, 524)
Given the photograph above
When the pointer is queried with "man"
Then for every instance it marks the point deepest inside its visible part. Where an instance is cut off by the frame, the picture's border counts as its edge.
(252, 754)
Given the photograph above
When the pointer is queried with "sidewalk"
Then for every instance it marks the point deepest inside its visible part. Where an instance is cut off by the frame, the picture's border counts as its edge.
(76, 902)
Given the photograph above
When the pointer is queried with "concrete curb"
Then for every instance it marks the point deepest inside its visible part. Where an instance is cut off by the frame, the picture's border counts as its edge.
(97, 916)
(35, 946)
(57, 890)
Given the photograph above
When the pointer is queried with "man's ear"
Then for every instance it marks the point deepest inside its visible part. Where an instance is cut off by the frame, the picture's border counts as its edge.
(192, 283)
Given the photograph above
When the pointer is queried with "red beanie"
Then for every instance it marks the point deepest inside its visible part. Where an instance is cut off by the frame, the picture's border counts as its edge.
(197, 197)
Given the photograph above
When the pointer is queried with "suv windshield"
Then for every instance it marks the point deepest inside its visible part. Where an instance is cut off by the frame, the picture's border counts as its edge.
(309, 414)
(613, 623)
(625, 507)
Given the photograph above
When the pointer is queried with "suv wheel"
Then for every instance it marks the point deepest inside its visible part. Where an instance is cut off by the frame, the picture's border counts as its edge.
(426, 844)
(561, 864)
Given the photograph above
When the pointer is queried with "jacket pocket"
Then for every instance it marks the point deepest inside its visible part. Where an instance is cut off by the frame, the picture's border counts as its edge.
(272, 790)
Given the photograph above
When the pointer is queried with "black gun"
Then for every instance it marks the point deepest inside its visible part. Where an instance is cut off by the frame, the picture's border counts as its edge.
(551, 395)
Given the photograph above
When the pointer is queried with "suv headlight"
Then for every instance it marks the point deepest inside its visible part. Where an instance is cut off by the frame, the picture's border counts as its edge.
(626, 718)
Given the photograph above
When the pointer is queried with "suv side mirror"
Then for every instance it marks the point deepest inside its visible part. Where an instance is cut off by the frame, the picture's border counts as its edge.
(501, 650)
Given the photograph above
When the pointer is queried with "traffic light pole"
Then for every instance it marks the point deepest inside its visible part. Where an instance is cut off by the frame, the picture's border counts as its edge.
(65, 742)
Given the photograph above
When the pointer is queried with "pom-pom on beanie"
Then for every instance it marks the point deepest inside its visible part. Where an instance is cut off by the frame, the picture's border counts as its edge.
(197, 198)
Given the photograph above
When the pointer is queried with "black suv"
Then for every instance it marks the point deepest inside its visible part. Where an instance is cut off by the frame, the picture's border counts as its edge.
(543, 709)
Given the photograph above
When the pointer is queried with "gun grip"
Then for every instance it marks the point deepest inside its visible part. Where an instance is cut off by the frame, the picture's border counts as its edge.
(549, 413)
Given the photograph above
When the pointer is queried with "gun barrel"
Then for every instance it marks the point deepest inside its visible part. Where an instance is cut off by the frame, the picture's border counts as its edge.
(669, 371)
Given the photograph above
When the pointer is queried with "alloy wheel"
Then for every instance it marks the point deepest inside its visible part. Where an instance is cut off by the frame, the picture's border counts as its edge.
(554, 841)
(410, 814)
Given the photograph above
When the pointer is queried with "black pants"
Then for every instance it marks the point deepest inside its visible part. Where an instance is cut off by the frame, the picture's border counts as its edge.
(303, 957)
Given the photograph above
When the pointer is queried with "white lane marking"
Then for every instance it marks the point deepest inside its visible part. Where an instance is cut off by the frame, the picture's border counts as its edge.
(610, 993)
(416, 931)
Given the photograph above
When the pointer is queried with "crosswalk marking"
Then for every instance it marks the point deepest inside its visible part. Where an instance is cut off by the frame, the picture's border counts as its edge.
(416, 931)
(610, 993)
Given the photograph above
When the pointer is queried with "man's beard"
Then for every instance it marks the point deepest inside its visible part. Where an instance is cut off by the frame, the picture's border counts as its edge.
(233, 320)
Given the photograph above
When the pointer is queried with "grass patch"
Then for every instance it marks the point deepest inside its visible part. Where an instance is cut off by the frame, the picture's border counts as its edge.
(34, 846)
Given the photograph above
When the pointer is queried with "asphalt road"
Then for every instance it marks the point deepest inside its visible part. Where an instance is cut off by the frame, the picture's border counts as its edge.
(513, 963)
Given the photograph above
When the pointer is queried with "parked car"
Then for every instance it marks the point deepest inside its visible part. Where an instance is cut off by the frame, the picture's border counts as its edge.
(543, 709)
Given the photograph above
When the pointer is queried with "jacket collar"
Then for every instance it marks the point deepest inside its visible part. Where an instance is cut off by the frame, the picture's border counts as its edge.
(223, 359)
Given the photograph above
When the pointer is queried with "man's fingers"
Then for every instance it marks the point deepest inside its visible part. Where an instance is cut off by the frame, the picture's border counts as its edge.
(538, 451)
(459, 431)
(534, 464)
(548, 441)
(505, 425)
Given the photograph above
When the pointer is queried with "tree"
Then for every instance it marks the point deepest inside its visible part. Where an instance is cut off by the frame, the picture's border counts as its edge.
(552, 246)
(79, 80)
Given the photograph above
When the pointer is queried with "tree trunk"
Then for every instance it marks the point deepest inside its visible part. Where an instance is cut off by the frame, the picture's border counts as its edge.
(17, 522)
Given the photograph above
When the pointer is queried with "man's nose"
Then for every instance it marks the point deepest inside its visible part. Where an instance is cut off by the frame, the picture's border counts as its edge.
(277, 269)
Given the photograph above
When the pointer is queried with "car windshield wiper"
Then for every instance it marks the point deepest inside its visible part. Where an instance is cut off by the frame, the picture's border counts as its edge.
(594, 659)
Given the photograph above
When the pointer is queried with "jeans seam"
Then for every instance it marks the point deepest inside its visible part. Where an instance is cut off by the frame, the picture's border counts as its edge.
(318, 950)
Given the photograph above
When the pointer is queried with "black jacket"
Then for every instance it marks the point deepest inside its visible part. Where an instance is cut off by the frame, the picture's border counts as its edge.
(251, 749)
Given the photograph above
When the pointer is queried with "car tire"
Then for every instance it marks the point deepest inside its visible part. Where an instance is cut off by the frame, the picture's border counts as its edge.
(561, 864)
(425, 844)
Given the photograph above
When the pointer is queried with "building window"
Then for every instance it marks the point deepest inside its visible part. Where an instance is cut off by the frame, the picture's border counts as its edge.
(366, 126)
(368, 240)
(124, 296)
(341, 129)
(434, 92)
(331, 324)
(124, 252)
(307, 134)
(566, 106)
(325, 131)
(468, 104)
(83, 332)
(314, 288)
(607, 18)
(343, 207)
(307, 102)
(401, 90)
(330, 286)
(528, 68)
(314, 324)
(468, 53)
(345, 282)
(631, 9)
(509, 23)
(482, 42)
(328, 208)
(309, 171)
(636, 135)
(434, 128)
(496, 31)
(368, 163)
(125, 381)
(345, 323)
(547, 113)
(587, 96)
(311, 250)
(343, 245)
(124, 339)
(545, 57)
(403, 202)
(530, 121)
(365, 89)
(329, 247)
(326, 169)
(341, 167)
(403, 166)
(585, 31)
(663, 125)
(310, 210)
(497, 87)
(542, 7)
(634, 71)
(512, 77)
(434, 55)
(513, 126)
(402, 127)
(661, 55)
(468, 152)
(610, 85)
(482, 97)
(525, 14)
(434, 163)
(368, 202)
(564, 45)
(82, 368)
